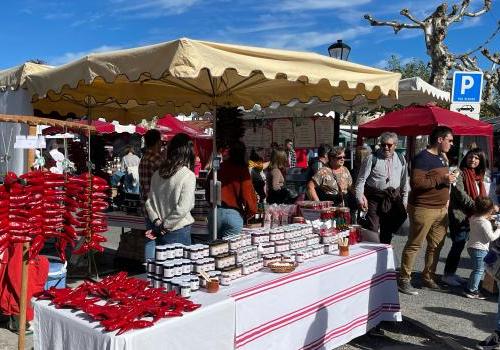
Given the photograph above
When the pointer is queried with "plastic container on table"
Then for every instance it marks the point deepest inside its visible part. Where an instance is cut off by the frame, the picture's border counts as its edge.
(57, 273)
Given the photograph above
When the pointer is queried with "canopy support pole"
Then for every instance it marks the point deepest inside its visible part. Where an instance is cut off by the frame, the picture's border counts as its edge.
(215, 188)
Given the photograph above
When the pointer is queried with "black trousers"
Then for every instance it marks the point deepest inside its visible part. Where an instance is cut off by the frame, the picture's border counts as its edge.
(458, 239)
(376, 219)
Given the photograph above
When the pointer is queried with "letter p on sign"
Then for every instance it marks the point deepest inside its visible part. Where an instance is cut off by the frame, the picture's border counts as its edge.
(467, 87)
(467, 83)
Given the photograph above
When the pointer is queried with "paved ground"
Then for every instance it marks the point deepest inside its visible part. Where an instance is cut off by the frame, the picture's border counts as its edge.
(433, 320)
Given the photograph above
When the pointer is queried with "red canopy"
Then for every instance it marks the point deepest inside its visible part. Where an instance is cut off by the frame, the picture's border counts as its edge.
(171, 126)
(420, 120)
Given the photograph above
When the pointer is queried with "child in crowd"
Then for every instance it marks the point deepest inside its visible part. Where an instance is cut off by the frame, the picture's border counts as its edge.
(481, 234)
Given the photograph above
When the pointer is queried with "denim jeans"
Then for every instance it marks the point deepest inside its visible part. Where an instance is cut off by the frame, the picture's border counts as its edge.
(229, 222)
(182, 235)
(477, 257)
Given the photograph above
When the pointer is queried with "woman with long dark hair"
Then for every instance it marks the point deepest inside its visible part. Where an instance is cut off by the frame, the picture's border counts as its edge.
(277, 192)
(238, 198)
(472, 182)
(171, 197)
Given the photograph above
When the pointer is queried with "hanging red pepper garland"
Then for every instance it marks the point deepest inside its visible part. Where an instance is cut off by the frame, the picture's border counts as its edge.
(89, 194)
(41, 205)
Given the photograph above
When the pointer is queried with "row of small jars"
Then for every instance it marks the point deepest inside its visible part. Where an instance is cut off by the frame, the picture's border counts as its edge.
(169, 251)
(196, 251)
(169, 268)
(182, 286)
(239, 241)
(244, 254)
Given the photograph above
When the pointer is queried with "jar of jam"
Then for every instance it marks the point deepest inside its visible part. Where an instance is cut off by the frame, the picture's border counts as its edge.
(225, 279)
(170, 252)
(168, 269)
(185, 288)
(178, 268)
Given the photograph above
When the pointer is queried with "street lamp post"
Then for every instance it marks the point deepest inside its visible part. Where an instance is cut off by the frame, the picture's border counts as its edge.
(338, 50)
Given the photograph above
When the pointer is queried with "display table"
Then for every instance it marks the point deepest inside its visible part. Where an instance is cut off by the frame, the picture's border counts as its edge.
(124, 220)
(210, 327)
(326, 302)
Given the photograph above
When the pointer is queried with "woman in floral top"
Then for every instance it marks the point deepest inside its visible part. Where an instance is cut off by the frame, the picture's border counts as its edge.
(332, 182)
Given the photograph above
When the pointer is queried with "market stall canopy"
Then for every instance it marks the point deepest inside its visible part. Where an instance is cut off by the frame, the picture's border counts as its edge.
(187, 75)
(420, 120)
(15, 77)
(171, 126)
(411, 91)
(104, 127)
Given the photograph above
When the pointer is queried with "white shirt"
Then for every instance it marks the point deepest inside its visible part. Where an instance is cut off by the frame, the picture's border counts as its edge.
(481, 233)
(172, 199)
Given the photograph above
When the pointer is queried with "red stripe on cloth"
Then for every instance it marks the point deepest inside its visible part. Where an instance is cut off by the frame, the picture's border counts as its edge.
(293, 274)
(299, 275)
(360, 321)
(299, 314)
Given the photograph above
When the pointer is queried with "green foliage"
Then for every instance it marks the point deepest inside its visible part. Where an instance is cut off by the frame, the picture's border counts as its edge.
(414, 68)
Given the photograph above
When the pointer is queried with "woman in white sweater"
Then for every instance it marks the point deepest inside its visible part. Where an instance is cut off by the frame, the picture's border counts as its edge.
(481, 234)
(171, 197)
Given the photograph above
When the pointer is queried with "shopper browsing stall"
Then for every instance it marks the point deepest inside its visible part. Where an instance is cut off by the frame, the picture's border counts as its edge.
(171, 197)
(150, 162)
(277, 191)
(427, 209)
(382, 188)
(472, 181)
(481, 234)
(238, 199)
(332, 182)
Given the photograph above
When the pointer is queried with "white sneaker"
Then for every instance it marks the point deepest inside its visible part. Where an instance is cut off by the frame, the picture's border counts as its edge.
(451, 280)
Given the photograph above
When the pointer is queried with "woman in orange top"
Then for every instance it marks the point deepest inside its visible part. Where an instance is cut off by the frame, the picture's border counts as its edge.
(238, 199)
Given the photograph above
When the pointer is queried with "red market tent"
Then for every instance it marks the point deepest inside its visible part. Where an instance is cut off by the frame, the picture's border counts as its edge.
(420, 120)
(170, 126)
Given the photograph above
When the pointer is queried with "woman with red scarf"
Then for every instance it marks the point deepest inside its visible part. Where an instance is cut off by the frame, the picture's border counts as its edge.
(471, 183)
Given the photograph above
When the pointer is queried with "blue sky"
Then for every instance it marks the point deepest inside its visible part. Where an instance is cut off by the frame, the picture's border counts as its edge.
(61, 31)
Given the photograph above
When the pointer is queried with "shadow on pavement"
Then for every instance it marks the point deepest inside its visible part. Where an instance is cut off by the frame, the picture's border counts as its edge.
(484, 321)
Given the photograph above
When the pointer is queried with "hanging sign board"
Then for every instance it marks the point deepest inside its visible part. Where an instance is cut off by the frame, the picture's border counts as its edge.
(324, 131)
(282, 130)
(257, 137)
(304, 136)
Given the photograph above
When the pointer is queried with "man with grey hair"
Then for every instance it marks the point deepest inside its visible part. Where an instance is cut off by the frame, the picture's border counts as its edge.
(382, 188)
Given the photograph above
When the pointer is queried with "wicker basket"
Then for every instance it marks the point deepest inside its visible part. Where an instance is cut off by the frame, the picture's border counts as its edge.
(282, 267)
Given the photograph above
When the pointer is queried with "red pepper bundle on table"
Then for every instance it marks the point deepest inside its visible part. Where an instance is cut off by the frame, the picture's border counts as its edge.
(128, 302)
(88, 193)
(14, 213)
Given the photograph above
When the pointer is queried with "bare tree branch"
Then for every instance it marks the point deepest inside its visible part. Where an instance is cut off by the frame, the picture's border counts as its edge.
(495, 58)
(395, 25)
(407, 14)
(486, 8)
(458, 14)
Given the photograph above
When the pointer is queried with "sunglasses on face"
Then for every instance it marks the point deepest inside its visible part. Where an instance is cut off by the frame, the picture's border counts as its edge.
(388, 145)
(337, 157)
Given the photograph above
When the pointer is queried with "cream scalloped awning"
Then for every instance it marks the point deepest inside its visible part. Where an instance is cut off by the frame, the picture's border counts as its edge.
(411, 91)
(187, 75)
(15, 77)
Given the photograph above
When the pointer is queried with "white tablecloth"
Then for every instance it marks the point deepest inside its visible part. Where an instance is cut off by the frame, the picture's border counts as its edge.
(326, 302)
(210, 327)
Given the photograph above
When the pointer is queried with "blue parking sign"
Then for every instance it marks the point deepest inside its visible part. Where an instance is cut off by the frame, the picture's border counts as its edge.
(467, 87)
